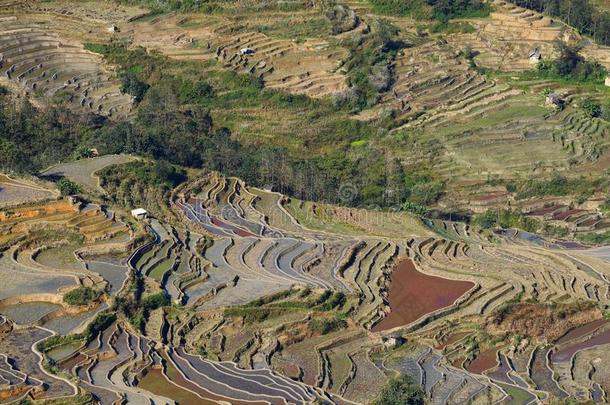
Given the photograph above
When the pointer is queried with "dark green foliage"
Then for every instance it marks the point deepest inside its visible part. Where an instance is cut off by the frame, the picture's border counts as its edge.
(68, 187)
(141, 183)
(593, 108)
(401, 391)
(506, 219)
(32, 139)
(426, 193)
(193, 93)
(559, 185)
(340, 17)
(595, 238)
(334, 301)
(130, 84)
(155, 301)
(273, 305)
(82, 152)
(445, 10)
(415, 8)
(57, 340)
(148, 173)
(252, 315)
(101, 322)
(442, 10)
(369, 65)
(137, 309)
(570, 65)
(81, 296)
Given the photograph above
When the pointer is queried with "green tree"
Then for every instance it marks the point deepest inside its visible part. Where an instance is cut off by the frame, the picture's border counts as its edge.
(132, 85)
(592, 108)
(68, 187)
(81, 296)
(401, 391)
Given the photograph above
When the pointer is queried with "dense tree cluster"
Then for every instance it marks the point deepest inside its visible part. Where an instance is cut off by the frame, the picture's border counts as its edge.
(581, 14)
(572, 66)
(442, 10)
(173, 123)
(81, 296)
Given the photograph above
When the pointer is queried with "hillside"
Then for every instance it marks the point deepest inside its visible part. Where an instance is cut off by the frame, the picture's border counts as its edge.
(346, 202)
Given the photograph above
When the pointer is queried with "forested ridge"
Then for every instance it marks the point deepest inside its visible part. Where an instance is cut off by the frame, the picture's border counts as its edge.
(173, 123)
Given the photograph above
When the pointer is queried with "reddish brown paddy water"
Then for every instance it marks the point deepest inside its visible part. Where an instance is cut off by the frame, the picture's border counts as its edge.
(565, 354)
(582, 330)
(413, 294)
(484, 361)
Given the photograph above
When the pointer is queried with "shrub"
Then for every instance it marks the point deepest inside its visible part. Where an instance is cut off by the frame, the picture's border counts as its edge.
(101, 322)
(595, 238)
(155, 301)
(413, 208)
(506, 219)
(68, 187)
(324, 326)
(81, 296)
(130, 84)
(197, 92)
(570, 65)
(426, 193)
(401, 391)
(592, 108)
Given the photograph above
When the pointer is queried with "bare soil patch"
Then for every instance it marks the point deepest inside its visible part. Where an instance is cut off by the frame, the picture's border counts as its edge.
(540, 321)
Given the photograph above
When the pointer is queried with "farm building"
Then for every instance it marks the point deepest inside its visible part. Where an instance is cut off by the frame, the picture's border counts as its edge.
(139, 213)
(554, 100)
(535, 56)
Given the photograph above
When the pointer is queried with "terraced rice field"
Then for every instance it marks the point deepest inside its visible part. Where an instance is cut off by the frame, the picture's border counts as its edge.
(83, 171)
(309, 68)
(13, 192)
(41, 58)
(281, 301)
(412, 295)
(231, 245)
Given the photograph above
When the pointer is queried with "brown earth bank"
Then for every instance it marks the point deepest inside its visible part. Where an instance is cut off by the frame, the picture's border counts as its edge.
(413, 294)
(541, 321)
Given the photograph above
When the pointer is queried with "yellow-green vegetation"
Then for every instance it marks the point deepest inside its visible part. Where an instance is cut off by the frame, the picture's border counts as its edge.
(81, 296)
(290, 301)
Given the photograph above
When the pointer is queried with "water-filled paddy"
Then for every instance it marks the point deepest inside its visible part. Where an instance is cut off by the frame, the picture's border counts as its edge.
(60, 257)
(566, 353)
(18, 280)
(582, 330)
(485, 360)
(61, 352)
(413, 294)
(28, 313)
(114, 274)
(65, 325)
